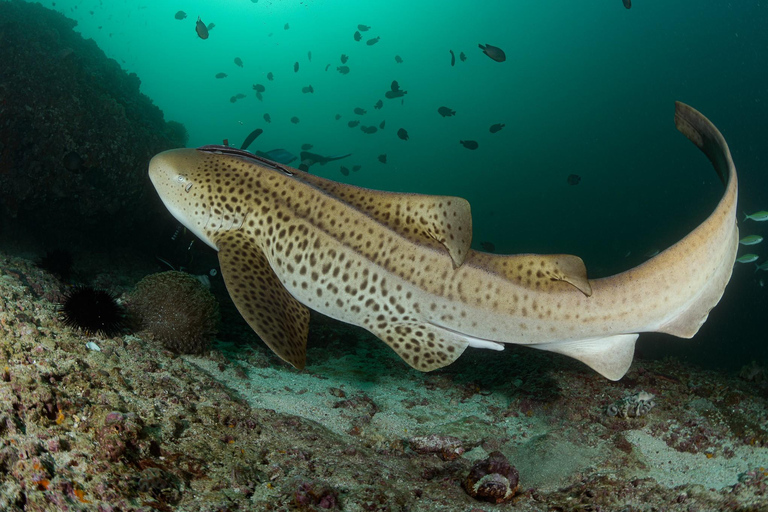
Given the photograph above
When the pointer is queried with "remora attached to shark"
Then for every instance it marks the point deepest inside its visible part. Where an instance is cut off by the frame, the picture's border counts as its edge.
(400, 265)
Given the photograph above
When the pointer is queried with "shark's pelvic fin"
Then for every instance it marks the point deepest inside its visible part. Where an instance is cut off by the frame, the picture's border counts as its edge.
(279, 319)
(610, 356)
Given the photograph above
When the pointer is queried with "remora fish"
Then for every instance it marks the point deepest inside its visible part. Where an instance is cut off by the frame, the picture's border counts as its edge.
(400, 265)
(310, 159)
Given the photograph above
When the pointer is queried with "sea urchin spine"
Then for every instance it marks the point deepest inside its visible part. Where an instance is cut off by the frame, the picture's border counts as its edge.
(92, 311)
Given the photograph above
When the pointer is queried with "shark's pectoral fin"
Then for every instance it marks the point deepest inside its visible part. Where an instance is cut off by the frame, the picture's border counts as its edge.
(610, 356)
(439, 222)
(537, 271)
(422, 345)
(281, 321)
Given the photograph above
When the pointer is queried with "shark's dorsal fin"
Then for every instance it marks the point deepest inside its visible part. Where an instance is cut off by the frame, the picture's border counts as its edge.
(281, 321)
(537, 271)
(441, 222)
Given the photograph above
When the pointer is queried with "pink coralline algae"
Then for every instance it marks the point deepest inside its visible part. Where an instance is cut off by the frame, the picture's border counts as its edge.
(120, 432)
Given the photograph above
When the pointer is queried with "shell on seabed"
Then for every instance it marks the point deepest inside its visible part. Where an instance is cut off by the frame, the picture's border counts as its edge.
(492, 479)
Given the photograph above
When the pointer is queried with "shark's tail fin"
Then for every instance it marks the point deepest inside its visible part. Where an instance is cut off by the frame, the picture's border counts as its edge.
(699, 266)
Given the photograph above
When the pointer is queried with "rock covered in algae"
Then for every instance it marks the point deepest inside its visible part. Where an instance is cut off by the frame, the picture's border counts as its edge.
(177, 309)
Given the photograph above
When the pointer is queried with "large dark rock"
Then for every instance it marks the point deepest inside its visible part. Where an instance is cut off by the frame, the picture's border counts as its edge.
(76, 134)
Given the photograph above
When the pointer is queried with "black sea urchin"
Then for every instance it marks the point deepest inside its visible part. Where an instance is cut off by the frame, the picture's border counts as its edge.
(92, 310)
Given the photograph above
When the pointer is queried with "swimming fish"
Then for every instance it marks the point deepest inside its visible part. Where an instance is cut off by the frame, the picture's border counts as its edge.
(373, 41)
(180, 15)
(378, 105)
(295, 120)
(354, 123)
(238, 62)
(221, 75)
(760, 216)
(286, 26)
(358, 36)
(270, 76)
(496, 127)
(267, 118)
(398, 59)
(210, 26)
(309, 56)
(751, 240)
(762, 266)
(239, 95)
(232, 99)
(573, 179)
(337, 116)
(446, 112)
(278, 155)
(462, 57)
(453, 58)
(310, 159)
(307, 89)
(395, 91)
(306, 147)
(343, 69)
(344, 170)
(259, 88)
(259, 96)
(493, 52)
(344, 59)
(382, 124)
(369, 129)
(251, 137)
(296, 67)
(383, 158)
(360, 111)
(363, 28)
(423, 291)
(627, 3)
(747, 258)
(402, 134)
(469, 144)
(356, 168)
(327, 66)
(488, 246)
(201, 29)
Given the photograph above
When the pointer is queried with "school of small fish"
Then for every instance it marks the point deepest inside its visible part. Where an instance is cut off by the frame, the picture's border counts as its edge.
(394, 92)
(760, 216)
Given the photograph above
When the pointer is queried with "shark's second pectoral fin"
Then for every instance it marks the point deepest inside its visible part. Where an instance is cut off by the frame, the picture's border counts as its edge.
(280, 320)
(610, 356)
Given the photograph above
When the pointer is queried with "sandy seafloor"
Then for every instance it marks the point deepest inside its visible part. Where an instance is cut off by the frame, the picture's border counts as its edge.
(135, 427)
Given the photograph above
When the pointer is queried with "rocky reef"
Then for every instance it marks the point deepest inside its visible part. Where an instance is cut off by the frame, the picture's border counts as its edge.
(76, 134)
(89, 422)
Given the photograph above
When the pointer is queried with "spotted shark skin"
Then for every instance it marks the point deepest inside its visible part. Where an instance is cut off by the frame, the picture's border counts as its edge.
(400, 266)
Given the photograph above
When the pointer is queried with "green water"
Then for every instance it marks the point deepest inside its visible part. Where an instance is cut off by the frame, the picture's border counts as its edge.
(588, 88)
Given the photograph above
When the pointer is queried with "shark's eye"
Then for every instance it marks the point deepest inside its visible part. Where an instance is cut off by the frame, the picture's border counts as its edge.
(179, 178)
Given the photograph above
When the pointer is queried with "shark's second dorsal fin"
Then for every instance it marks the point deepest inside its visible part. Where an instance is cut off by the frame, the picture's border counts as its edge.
(537, 271)
(281, 321)
(441, 222)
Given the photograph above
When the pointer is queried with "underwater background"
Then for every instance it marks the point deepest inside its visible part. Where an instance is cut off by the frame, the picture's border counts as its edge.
(587, 88)
(567, 145)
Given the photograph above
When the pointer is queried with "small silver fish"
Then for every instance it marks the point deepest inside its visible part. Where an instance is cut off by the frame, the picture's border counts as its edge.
(758, 216)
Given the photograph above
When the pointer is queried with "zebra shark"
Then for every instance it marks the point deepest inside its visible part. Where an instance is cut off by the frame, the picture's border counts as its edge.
(400, 265)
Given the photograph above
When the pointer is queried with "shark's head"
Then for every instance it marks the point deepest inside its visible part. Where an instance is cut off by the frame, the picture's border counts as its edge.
(179, 176)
